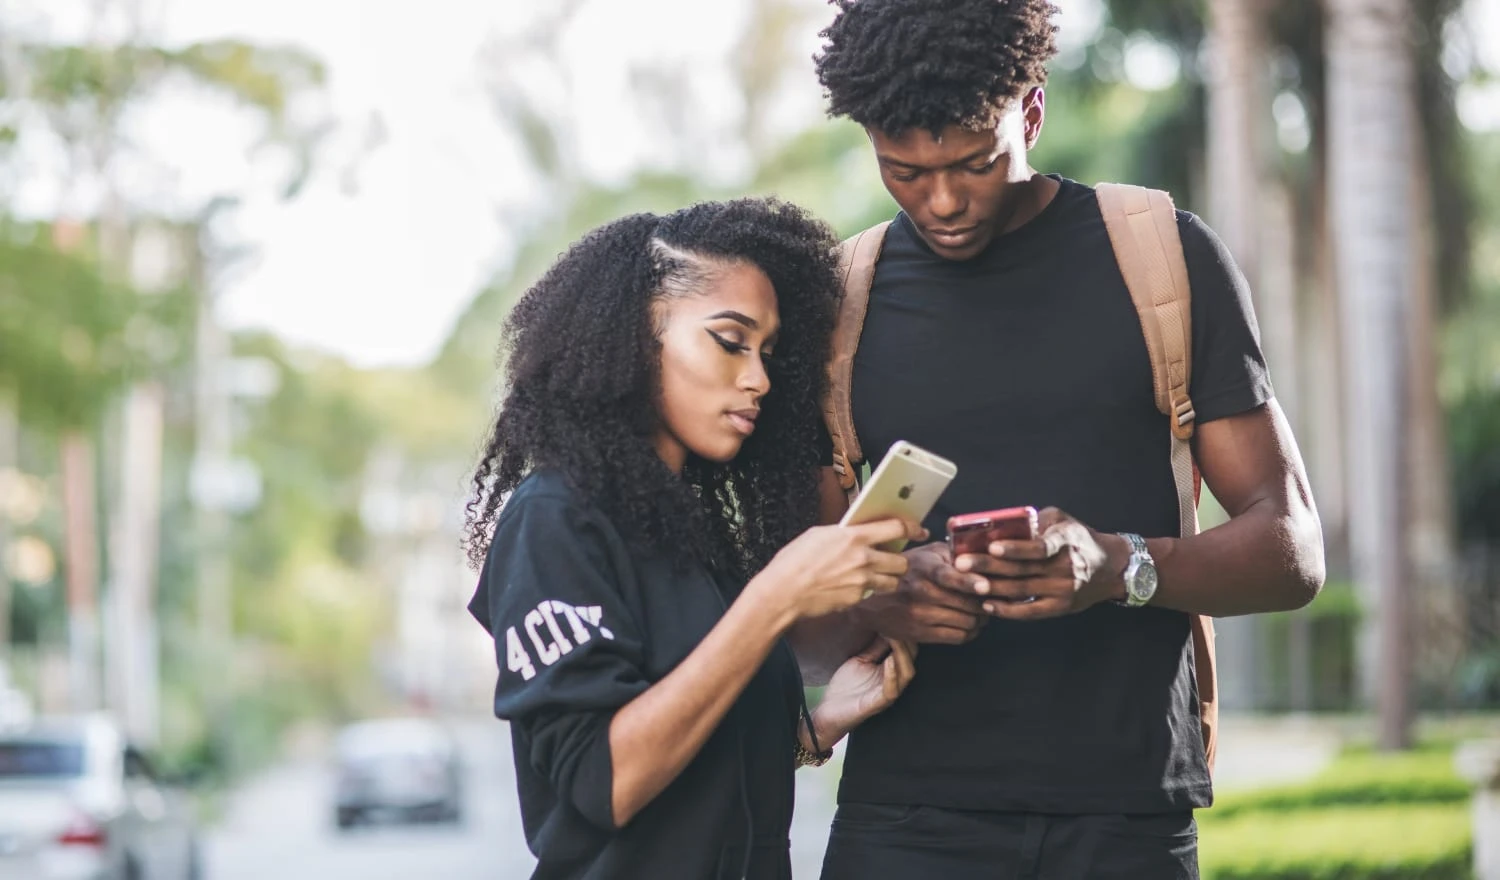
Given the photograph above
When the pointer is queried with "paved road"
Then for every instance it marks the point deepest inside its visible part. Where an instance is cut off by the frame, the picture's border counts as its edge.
(278, 827)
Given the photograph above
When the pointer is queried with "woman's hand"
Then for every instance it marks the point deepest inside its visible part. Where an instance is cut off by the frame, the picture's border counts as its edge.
(867, 684)
(830, 568)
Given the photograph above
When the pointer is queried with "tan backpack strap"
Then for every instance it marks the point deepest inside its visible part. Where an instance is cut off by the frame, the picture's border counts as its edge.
(1142, 225)
(1206, 671)
(857, 258)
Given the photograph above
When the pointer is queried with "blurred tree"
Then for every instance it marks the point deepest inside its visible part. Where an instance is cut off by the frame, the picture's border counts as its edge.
(1294, 106)
(1372, 149)
(71, 338)
(301, 592)
(86, 90)
(82, 95)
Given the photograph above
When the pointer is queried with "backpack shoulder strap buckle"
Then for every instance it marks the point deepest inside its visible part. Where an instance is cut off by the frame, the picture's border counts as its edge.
(1184, 417)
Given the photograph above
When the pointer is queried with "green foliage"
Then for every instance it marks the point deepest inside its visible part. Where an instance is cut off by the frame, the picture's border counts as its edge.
(1474, 441)
(309, 604)
(71, 339)
(1394, 842)
(427, 420)
(1370, 816)
(1353, 843)
(310, 441)
(103, 79)
(1358, 778)
(1176, 22)
(831, 170)
(1155, 138)
(85, 90)
(1471, 381)
(1323, 636)
(264, 77)
(316, 627)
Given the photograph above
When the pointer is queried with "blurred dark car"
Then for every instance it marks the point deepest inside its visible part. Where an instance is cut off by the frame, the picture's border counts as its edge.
(77, 802)
(397, 769)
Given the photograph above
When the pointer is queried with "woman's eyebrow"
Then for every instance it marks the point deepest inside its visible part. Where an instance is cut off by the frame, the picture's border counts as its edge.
(737, 317)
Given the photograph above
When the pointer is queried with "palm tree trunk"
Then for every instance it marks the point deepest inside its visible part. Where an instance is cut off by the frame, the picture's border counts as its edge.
(9, 461)
(1430, 527)
(1237, 111)
(81, 558)
(1371, 92)
(1324, 347)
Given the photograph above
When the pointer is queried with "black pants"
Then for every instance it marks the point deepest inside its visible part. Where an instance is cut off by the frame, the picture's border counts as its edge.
(886, 842)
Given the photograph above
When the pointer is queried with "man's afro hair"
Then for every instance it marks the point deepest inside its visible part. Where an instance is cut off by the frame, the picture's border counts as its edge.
(898, 65)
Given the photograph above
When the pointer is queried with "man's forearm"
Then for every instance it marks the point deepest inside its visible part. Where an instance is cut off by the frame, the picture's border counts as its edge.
(822, 644)
(1269, 558)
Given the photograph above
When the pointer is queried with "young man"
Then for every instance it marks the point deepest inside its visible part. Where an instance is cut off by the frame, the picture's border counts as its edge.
(1061, 738)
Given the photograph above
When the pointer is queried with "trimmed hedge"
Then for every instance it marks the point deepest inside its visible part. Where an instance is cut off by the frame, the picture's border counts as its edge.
(1367, 842)
(1423, 776)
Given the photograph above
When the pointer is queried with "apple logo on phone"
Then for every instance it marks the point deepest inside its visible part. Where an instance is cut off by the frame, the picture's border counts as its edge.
(905, 491)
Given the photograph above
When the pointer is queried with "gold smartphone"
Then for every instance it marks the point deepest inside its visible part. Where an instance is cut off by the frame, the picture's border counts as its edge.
(907, 483)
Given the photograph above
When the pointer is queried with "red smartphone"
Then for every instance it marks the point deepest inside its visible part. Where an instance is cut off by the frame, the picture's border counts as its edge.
(975, 532)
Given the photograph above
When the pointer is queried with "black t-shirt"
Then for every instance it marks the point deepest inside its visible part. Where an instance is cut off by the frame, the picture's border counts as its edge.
(1027, 367)
(583, 625)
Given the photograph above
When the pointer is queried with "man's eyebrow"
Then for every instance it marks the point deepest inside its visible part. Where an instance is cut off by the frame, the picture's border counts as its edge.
(981, 154)
(985, 153)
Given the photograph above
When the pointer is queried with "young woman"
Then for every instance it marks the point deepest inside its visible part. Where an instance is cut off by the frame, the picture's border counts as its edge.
(641, 519)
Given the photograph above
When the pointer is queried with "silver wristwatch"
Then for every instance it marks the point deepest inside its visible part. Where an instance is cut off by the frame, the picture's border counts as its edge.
(1140, 572)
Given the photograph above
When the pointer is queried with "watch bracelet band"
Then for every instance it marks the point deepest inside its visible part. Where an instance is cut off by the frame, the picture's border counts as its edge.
(807, 758)
(1138, 548)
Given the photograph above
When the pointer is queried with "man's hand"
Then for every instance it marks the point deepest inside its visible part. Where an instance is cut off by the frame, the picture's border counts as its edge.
(1069, 568)
(935, 603)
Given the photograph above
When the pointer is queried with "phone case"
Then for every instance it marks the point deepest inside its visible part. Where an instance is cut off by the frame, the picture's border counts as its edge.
(974, 532)
(907, 483)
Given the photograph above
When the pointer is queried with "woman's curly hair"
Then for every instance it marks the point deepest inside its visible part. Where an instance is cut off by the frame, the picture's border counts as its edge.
(898, 65)
(583, 384)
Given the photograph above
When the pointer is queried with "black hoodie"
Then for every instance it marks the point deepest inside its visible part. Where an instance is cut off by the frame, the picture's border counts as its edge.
(582, 625)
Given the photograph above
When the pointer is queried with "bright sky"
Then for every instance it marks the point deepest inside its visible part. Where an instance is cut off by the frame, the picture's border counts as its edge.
(379, 255)
(379, 265)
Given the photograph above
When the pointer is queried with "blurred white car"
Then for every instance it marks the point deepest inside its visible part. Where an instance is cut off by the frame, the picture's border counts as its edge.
(78, 803)
(397, 768)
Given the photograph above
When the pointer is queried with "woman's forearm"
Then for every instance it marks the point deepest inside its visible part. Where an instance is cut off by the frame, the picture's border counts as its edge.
(829, 732)
(654, 736)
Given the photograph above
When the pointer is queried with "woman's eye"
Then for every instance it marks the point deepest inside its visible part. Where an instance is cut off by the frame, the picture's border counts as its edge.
(728, 344)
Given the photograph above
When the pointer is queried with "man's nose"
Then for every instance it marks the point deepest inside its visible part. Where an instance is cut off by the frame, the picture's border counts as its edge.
(946, 202)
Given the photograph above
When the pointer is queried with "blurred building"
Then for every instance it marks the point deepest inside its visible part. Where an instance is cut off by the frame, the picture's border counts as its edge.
(438, 656)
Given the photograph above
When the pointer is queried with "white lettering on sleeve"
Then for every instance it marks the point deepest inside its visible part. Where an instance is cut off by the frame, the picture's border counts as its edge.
(557, 634)
(516, 659)
(595, 615)
(548, 654)
(580, 632)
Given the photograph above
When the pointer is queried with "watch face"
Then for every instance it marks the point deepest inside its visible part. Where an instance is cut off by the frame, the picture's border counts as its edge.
(1143, 585)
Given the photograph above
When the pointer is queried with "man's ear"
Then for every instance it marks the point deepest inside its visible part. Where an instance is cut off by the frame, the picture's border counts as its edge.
(1034, 111)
